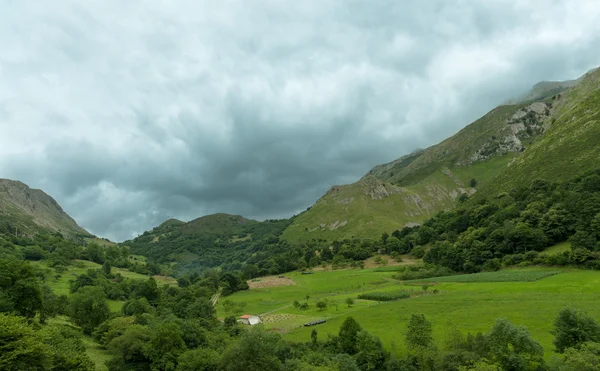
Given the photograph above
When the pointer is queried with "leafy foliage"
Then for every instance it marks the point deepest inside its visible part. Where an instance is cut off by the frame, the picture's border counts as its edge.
(573, 328)
(385, 296)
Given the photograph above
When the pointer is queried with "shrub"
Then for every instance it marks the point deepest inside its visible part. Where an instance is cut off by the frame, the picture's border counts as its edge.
(385, 296)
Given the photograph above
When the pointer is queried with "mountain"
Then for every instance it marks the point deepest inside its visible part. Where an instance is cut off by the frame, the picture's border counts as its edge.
(545, 89)
(208, 241)
(569, 146)
(554, 136)
(26, 211)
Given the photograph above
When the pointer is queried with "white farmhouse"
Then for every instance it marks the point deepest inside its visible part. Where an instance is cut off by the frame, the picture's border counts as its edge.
(248, 319)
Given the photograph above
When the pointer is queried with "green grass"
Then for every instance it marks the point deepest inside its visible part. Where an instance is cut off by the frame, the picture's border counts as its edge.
(366, 217)
(568, 148)
(557, 249)
(500, 276)
(470, 306)
(98, 354)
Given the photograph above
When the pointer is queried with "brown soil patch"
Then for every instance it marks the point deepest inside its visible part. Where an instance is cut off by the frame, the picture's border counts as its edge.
(271, 281)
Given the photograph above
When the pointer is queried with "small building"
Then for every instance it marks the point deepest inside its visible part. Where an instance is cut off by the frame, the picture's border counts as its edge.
(248, 319)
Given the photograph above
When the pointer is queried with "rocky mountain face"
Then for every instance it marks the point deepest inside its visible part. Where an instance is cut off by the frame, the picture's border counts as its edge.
(26, 211)
(503, 148)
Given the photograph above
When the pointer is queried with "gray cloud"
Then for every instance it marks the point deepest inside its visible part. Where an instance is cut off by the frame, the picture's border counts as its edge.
(130, 113)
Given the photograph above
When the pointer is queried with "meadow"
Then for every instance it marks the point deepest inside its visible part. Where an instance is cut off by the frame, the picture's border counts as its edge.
(471, 305)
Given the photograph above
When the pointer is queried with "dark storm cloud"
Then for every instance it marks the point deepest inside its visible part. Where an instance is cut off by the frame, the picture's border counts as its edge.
(129, 114)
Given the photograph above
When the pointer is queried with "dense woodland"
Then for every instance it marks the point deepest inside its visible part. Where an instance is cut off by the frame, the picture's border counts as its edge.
(511, 229)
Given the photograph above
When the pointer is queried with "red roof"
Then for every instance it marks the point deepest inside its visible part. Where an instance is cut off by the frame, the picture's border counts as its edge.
(246, 316)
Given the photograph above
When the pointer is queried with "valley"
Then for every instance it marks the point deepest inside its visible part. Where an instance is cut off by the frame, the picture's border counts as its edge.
(479, 253)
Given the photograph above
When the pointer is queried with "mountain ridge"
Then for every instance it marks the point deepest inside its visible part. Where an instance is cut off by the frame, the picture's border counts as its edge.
(430, 180)
(25, 210)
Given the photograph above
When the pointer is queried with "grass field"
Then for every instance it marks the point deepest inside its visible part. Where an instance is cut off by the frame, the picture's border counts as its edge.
(557, 249)
(470, 306)
(500, 276)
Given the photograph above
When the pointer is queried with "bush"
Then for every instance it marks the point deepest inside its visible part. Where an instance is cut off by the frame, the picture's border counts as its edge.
(385, 296)
(418, 252)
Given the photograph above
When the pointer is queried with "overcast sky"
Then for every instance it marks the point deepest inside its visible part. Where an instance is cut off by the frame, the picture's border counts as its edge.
(132, 112)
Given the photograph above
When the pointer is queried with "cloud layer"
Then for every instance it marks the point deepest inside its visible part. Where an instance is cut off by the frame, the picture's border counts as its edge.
(129, 113)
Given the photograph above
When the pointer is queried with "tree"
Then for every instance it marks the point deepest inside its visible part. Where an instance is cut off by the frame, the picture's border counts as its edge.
(68, 349)
(255, 351)
(347, 336)
(19, 288)
(130, 349)
(147, 289)
(135, 307)
(230, 321)
(112, 328)
(572, 328)
(201, 308)
(95, 253)
(322, 304)
(88, 308)
(202, 359)
(584, 358)
(313, 337)
(473, 183)
(583, 240)
(419, 332)
(52, 305)
(371, 354)
(165, 346)
(513, 348)
(480, 366)
(384, 237)
(350, 302)
(20, 347)
(106, 267)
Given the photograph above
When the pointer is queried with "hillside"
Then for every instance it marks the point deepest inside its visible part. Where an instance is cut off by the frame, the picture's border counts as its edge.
(208, 241)
(501, 149)
(26, 211)
(570, 145)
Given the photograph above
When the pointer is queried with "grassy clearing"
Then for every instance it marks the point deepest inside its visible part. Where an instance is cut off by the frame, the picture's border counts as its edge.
(500, 276)
(557, 249)
(470, 306)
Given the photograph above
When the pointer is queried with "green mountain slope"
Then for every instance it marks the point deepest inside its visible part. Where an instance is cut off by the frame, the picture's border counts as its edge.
(570, 145)
(511, 139)
(26, 211)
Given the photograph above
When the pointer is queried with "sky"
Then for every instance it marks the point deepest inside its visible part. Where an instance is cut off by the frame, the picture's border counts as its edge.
(130, 113)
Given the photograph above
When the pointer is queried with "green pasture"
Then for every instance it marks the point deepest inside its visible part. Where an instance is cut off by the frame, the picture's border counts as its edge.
(557, 249)
(469, 306)
(499, 276)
